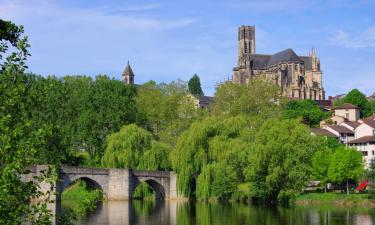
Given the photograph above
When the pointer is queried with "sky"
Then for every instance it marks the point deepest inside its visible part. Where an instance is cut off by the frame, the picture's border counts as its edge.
(174, 39)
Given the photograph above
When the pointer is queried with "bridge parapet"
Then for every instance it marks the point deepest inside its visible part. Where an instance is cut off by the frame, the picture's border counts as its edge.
(83, 170)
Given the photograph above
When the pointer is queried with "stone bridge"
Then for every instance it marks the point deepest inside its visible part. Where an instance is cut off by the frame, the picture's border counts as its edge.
(116, 184)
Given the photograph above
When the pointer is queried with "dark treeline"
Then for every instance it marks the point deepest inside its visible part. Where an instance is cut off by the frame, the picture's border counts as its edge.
(81, 112)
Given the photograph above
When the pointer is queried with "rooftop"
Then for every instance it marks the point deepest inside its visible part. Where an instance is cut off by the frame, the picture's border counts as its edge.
(362, 140)
(323, 132)
(346, 106)
(287, 55)
(340, 129)
(369, 122)
(353, 124)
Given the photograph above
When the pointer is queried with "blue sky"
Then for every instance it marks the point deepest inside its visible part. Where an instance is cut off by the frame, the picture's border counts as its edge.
(169, 40)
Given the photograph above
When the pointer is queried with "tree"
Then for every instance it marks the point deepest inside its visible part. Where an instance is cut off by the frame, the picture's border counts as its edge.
(134, 148)
(195, 86)
(18, 141)
(206, 148)
(280, 159)
(320, 165)
(258, 97)
(308, 110)
(165, 110)
(346, 165)
(372, 105)
(357, 98)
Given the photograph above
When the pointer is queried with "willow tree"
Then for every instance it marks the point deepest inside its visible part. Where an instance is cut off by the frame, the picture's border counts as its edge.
(208, 147)
(134, 148)
(279, 163)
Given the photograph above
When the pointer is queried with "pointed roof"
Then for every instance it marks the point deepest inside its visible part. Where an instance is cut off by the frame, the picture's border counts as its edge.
(287, 55)
(128, 72)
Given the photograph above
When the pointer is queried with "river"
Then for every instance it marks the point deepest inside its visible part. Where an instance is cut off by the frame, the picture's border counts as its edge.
(185, 213)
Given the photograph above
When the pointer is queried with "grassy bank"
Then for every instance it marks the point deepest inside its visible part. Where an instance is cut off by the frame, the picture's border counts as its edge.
(336, 199)
(80, 199)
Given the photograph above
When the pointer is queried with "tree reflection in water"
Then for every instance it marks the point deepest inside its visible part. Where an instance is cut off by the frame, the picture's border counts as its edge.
(201, 213)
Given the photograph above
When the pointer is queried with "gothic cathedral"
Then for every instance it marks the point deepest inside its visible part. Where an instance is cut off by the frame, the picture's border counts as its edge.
(298, 76)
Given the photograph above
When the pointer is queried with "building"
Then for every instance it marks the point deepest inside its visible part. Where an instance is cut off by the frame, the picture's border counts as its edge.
(344, 113)
(348, 111)
(298, 76)
(365, 141)
(128, 75)
(342, 133)
(201, 101)
(358, 134)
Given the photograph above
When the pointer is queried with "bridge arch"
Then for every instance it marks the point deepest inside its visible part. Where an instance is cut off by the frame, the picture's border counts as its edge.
(91, 183)
(155, 184)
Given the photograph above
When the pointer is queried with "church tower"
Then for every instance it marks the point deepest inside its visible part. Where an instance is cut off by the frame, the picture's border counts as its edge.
(246, 43)
(128, 75)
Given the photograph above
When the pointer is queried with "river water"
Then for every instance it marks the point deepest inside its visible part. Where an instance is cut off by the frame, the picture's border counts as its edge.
(185, 213)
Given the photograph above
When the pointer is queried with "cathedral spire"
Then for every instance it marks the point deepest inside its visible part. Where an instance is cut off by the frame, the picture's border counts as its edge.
(314, 59)
(128, 75)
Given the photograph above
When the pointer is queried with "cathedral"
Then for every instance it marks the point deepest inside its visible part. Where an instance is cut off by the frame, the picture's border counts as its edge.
(298, 76)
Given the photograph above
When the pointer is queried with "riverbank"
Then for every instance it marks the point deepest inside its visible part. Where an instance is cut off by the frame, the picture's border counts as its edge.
(336, 199)
(80, 199)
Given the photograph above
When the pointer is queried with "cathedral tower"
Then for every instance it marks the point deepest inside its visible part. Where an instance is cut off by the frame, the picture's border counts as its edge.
(128, 75)
(246, 43)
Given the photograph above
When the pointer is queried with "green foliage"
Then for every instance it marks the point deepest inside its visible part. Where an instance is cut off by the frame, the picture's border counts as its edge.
(308, 110)
(81, 113)
(133, 147)
(320, 164)
(372, 105)
(207, 142)
(80, 199)
(346, 165)
(280, 159)
(143, 191)
(258, 98)
(19, 142)
(165, 110)
(357, 98)
(195, 86)
(217, 180)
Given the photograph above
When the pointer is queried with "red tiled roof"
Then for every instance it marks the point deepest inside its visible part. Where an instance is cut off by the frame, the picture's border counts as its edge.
(364, 139)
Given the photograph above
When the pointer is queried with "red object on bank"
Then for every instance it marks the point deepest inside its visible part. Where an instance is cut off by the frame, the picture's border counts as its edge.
(362, 185)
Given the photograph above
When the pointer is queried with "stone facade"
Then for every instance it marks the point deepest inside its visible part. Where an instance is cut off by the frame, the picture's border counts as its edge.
(298, 76)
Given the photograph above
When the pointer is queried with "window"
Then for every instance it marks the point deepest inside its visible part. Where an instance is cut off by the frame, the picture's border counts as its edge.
(373, 152)
(365, 153)
(373, 132)
(347, 115)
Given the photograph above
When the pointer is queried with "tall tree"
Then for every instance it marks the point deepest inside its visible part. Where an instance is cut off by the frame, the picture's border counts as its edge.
(195, 86)
(18, 141)
(346, 165)
(258, 97)
(280, 159)
(310, 113)
(357, 98)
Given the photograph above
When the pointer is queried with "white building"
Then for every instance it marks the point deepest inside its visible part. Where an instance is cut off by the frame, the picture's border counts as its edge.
(365, 140)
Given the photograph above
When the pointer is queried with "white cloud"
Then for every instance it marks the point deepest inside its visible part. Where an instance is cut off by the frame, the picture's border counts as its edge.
(47, 11)
(364, 39)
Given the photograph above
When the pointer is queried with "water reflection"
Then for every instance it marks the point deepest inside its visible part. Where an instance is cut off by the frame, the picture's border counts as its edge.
(184, 213)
